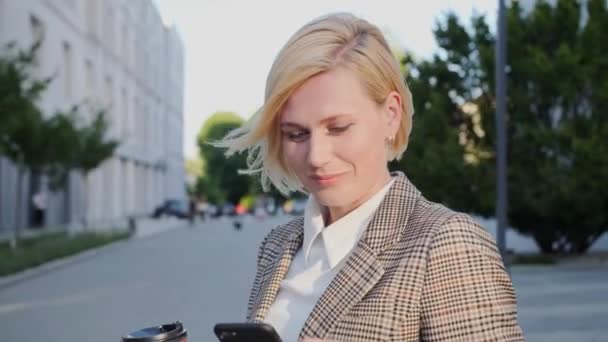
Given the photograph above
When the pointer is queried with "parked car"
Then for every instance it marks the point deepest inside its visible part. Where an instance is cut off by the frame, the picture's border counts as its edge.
(213, 210)
(299, 204)
(271, 206)
(227, 209)
(179, 208)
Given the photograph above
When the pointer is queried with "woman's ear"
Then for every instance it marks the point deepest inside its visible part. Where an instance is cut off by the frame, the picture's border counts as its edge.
(393, 111)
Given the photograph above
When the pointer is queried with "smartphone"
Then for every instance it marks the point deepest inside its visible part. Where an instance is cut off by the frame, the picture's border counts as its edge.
(246, 332)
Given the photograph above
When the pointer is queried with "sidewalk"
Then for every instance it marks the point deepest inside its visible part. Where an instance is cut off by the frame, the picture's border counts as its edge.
(144, 228)
(149, 227)
(590, 259)
(562, 303)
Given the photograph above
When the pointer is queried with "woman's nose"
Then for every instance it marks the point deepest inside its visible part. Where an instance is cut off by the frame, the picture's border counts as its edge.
(319, 150)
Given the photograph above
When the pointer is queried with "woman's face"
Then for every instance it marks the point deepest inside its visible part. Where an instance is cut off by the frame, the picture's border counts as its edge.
(334, 138)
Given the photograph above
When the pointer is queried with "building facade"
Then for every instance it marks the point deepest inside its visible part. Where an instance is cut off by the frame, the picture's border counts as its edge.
(120, 56)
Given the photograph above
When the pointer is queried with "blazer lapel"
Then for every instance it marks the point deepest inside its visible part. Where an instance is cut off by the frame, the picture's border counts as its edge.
(359, 275)
(363, 267)
(274, 272)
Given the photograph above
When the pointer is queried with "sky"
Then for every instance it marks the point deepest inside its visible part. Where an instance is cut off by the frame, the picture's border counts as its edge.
(230, 45)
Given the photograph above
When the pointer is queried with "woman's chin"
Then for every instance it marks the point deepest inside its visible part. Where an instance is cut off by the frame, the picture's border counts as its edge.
(330, 197)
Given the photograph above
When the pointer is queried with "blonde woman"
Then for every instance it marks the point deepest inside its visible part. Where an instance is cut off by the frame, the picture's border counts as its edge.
(371, 259)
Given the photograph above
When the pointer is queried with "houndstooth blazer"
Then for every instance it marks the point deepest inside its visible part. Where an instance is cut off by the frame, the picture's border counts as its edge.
(420, 272)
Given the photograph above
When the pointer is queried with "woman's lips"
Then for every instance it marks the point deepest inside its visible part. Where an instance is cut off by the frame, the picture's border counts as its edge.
(326, 179)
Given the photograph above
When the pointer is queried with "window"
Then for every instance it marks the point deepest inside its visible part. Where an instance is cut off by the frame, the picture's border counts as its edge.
(123, 46)
(133, 118)
(109, 105)
(109, 94)
(90, 82)
(67, 70)
(37, 29)
(109, 27)
(91, 16)
(124, 114)
(142, 129)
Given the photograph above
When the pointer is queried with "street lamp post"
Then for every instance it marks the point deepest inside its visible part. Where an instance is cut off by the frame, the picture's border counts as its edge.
(501, 136)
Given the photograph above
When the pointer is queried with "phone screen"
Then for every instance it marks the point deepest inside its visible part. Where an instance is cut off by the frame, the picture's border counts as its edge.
(246, 332)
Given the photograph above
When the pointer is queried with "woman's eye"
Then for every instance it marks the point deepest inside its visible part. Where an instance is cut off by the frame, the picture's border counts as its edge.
(339, 129)
(296, 136)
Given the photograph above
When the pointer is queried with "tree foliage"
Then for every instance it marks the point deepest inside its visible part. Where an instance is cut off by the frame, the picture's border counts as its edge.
(93, 146)
(221, 181)
(557, 92)
(21, 121)
(22, 125)
(52, 144)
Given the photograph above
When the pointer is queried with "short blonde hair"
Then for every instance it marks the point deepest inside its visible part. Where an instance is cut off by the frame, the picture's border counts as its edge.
(336, 40)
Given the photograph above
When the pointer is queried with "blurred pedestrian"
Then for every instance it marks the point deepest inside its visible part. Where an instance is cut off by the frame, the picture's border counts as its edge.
(202, 208)
(39, 201)
(240, 209)
(192, 210)
(288, 206)
(259, 212)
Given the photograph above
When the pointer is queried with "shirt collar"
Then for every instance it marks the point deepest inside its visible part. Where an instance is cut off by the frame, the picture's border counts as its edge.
(340, 237)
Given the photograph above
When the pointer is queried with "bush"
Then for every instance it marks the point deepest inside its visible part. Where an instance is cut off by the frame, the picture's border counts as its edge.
(39, 250)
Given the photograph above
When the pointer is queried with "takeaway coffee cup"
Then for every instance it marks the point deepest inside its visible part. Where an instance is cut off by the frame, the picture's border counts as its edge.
(173, 332)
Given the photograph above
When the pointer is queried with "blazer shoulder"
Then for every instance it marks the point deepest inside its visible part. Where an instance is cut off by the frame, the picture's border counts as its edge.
(277, 237)
(464, 230)
(284, 231)
(426, 219)
(432, 220)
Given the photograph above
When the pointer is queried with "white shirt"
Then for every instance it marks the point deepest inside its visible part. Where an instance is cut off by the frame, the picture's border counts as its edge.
(315, 265)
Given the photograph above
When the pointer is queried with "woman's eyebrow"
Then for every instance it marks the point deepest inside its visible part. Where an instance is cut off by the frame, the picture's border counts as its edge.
(288, 124)
(336, 117)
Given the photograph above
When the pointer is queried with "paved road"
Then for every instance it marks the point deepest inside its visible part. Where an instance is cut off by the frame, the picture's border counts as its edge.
(201, 275)
(564, 303)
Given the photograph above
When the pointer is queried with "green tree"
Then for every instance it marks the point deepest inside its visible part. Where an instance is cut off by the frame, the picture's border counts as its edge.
(447, 152)
(557, 91)
(61, 150)
(39, 145)
(558, 86)
(19, 91)
(22, 125)
(221, 181)
(77, 146)
(92, 147)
